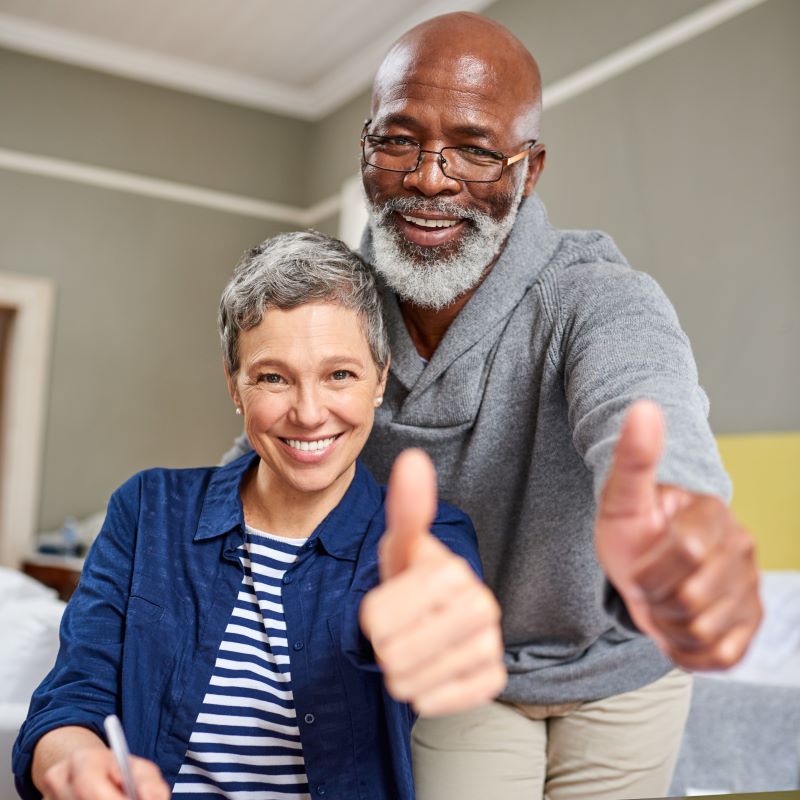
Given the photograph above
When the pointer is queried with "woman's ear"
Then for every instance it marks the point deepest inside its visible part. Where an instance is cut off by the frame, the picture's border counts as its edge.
(232, 390)
(381, 387)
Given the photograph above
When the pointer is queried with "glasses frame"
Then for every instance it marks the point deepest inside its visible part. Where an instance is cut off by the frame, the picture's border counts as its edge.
(503, 160)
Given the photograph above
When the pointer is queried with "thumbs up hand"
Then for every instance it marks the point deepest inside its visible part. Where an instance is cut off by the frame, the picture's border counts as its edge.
(684, 567)
(433, 624)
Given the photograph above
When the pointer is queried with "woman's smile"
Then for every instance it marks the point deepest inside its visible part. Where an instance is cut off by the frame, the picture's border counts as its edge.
(309, 450)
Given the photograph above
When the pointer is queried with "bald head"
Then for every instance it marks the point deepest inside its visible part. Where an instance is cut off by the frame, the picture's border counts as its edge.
(471, 54)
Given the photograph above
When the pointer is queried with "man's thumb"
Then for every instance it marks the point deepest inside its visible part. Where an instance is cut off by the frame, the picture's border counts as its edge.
(410, 510)
(630, 489)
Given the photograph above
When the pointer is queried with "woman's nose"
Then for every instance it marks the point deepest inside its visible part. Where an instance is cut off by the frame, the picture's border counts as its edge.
(309, 409)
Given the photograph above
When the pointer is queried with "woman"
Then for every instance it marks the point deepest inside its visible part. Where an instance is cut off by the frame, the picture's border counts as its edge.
(218, 610)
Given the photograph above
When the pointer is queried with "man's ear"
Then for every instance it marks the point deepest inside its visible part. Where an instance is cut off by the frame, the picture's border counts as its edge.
(536, 161)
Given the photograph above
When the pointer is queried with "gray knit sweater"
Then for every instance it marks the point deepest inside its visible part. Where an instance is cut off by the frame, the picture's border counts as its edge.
(519, 409)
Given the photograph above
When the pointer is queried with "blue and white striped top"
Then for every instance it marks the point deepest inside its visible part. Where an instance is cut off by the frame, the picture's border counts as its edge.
(245, 742)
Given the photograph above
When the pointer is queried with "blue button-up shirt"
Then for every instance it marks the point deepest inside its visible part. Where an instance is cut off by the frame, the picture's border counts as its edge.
(140, 635)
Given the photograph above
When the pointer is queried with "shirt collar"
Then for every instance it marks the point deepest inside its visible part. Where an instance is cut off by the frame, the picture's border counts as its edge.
(222, 506)
(340, 533)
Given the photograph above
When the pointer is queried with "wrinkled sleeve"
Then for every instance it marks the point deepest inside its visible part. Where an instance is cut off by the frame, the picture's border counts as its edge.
(82, 687)
(452, 527)
(621, 341)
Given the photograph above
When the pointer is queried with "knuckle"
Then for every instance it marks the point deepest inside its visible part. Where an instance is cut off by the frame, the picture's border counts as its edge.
(726, 656)
(745, 544)
(398, 688)
(692, 550)
(392, 656)
(501, 678)
(699, 632)
(685, 600)
(365, 609)
(454, 572)
(486, 649)
(53, 778)
(484, 606)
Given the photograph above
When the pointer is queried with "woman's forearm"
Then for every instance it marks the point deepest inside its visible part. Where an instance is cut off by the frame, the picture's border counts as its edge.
(57, 745)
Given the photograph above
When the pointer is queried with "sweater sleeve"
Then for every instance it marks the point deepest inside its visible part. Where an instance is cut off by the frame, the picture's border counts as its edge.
(621, 341)
(82, 688)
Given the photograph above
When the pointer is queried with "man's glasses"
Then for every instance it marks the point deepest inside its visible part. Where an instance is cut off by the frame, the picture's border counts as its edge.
(471, 164)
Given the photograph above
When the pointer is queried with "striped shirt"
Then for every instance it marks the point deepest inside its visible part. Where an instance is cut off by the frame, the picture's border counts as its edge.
(245, 742)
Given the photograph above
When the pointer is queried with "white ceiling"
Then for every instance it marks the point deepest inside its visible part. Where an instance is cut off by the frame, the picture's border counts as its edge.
(303, 59)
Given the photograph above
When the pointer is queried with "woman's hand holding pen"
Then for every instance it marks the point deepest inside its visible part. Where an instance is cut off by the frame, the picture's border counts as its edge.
(72, 763)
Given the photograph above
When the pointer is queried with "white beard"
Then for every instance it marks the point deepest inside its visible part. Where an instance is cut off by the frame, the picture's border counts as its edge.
(431, 277)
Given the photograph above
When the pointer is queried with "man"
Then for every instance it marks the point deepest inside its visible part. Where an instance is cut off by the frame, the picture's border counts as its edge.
(520, 355)
(517, 351)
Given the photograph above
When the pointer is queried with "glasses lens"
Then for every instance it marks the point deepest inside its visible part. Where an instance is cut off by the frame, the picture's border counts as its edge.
(386, 152)
(472, 164)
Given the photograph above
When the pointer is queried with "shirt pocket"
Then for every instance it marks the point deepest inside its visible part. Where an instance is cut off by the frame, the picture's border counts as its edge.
(142, 610)
(149, 649)
(372, 731)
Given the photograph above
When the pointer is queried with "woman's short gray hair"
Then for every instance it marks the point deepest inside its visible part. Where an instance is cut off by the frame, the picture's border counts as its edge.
(292, 269)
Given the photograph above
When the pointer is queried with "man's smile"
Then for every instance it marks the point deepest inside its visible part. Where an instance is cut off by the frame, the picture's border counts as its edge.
(427, 230)
(431, 223)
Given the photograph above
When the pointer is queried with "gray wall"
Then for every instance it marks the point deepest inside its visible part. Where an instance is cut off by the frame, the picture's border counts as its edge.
(136, 371)
(689, 161)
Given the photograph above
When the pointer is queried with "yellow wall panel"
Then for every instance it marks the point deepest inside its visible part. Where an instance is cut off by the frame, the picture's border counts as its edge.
(765, 469)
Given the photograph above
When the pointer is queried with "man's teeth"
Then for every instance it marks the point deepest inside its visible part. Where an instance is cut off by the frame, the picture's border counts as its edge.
(318, 444)
(431, 223)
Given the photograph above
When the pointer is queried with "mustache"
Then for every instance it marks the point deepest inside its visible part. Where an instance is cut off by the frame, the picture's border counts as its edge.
(419, 205)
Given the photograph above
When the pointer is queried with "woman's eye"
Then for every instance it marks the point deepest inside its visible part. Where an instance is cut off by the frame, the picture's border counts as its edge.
(341, 374)
(270, 377)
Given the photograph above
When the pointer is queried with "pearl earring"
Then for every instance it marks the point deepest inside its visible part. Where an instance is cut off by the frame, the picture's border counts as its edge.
(378, 400)
(239, 411)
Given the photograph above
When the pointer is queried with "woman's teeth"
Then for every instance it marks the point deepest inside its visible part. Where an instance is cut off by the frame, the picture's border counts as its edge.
(317, 444)
(431, 223)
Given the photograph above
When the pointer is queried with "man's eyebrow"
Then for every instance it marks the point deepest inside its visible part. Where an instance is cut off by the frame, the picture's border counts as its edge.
(467, 131)
(398, 119)
(472, 132)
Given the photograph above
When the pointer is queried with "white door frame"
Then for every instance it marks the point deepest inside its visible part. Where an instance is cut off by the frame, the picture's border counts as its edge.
(25, 386)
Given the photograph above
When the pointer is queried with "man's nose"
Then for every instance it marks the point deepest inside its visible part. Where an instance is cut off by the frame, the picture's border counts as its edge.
(308, 409)
(429, 178)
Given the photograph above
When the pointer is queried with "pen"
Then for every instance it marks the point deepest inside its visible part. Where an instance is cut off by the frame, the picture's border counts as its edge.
(119, 746)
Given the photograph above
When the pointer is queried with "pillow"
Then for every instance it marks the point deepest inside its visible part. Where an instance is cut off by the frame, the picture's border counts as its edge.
(15, 585)
(29, 643)
(774, 654)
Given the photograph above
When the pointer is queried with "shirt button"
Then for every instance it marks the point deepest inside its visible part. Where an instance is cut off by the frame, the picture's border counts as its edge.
(309, 718)
(308, 545)
(287, 579)
(298, 645)
(320, 790)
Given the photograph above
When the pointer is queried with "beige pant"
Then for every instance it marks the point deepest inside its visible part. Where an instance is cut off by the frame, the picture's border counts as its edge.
(621, 747)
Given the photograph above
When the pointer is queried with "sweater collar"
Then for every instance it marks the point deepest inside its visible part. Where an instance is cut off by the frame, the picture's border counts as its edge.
(340, 533)
(530, 246)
